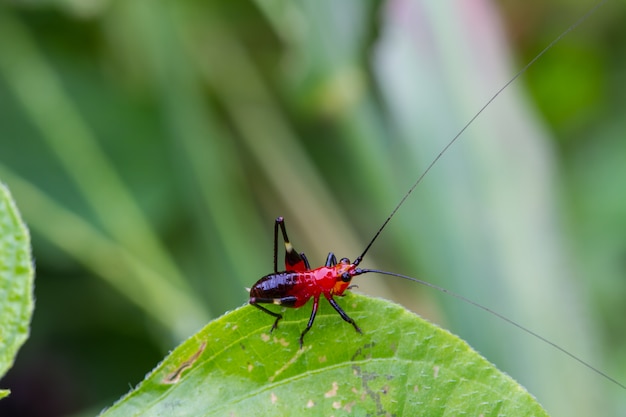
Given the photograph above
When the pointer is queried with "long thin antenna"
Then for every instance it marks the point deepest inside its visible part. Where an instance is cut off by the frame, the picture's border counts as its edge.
(359, 271)
(591, 11)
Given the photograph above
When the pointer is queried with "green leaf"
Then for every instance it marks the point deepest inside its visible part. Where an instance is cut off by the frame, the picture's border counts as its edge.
(400, 365)
(16, 282)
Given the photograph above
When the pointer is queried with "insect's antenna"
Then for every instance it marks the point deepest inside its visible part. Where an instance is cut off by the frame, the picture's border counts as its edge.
(359, 271)
(591, 11)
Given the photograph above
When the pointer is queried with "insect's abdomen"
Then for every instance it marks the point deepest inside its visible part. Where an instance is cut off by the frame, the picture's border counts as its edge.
(274, 285)
(290, 289)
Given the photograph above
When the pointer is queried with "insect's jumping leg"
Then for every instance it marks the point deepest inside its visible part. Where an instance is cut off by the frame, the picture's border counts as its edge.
(342, 313)
(287, 301)
(278, 220)
(271, 313)
(316, 302)
(294, 261)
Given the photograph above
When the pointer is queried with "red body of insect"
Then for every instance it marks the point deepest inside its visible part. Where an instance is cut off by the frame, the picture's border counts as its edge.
(299, 283)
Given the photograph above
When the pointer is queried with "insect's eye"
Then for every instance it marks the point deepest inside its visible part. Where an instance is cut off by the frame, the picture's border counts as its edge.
(345, 277)
(345, 261)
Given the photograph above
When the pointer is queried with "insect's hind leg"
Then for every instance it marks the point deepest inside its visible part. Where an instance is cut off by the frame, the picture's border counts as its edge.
(342, 313)
(294, 261)
(285, 301)
(271, 313)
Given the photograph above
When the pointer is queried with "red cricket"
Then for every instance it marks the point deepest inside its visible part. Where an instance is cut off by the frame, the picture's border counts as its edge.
(298, 283)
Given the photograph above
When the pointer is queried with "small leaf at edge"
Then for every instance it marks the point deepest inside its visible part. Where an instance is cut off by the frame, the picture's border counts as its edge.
(16, 282)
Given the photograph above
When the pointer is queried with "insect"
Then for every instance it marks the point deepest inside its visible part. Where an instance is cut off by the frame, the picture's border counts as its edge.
(298, 283)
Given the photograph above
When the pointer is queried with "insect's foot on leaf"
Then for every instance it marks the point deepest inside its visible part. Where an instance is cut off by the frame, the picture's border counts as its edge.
(275, 325)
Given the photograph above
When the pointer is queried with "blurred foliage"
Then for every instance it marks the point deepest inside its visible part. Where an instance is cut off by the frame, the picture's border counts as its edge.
(150, 147)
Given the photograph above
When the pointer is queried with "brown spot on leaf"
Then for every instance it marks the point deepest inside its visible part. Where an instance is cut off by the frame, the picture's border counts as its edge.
(175, 376)
(282, 341)
(333, 391)
(348, 407)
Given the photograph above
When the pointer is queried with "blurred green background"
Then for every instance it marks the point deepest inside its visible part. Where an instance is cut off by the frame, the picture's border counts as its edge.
(150, 145)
